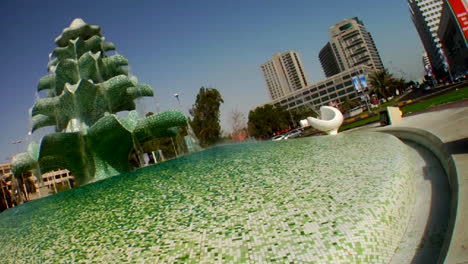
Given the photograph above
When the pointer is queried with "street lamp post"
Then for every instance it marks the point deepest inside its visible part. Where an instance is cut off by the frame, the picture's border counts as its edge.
(176, 95)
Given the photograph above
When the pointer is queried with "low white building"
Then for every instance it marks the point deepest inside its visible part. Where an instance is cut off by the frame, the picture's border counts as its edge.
(347, 85)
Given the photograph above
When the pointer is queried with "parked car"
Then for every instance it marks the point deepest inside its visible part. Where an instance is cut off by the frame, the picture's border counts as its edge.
(279, 137)
(293, 134)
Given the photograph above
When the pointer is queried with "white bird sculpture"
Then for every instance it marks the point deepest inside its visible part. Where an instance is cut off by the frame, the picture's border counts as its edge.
(331, 120)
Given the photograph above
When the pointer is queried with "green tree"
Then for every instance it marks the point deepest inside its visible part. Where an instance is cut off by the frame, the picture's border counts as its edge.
(205, 113)
(265, 120)
(237, 121)
(349, 104)
(400, 85)
(302, 112)
(381, 84)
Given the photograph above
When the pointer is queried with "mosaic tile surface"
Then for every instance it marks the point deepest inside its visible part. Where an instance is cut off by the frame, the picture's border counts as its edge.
(342, 199)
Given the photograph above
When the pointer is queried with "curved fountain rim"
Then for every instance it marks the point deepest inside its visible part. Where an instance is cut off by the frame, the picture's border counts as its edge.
(455, 232)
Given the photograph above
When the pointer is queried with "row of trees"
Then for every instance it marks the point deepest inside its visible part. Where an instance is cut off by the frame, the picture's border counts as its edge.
(266, 120)
(263, 121)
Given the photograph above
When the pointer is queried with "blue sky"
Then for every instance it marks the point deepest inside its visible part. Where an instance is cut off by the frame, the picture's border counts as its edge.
(178, 46)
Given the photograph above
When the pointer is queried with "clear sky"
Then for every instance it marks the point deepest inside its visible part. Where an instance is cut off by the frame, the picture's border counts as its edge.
(178, 46)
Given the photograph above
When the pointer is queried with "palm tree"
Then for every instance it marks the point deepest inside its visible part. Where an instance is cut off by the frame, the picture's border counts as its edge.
(399, 85)
(382, 84)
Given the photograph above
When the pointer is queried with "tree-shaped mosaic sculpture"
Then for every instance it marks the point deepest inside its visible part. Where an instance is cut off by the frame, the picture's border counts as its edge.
(85, 88)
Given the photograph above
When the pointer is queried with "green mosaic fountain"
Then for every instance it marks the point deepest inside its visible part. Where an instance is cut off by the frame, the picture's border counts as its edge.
(85, 88)
(332, 199)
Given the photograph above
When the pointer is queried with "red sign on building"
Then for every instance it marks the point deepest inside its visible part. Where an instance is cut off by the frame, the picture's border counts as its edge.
(459, 8)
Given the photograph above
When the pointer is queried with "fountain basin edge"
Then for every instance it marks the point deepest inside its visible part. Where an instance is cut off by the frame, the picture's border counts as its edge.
(310, 199)
(455, 169)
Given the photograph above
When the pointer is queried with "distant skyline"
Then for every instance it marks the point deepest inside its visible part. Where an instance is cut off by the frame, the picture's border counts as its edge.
(180, 46)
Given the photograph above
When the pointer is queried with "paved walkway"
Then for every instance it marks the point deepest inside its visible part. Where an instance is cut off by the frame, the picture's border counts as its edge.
(444, 130)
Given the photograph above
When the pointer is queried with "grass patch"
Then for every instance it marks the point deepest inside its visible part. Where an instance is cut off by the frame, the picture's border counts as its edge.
(449, 97)
(452, 96)
(361, 122)
(389, 103)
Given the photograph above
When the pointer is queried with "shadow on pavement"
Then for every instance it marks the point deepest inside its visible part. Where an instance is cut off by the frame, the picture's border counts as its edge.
(459, 146)
(430, 246)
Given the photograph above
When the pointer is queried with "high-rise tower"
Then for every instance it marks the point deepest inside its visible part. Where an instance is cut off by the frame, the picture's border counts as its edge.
(453, 34)
(426, 63)
(426, 18)
(284, 74)
(350, 45)
(329, 61)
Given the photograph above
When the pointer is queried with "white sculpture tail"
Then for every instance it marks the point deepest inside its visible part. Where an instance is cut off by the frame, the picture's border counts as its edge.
(331, 120)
